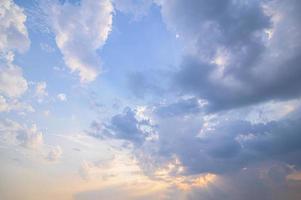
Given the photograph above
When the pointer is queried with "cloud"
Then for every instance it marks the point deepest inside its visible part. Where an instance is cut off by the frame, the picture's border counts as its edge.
(13, 37)
(12, 82)
(80, 30)
(13, 132)
(55, 154)
(13, 32)
(143, 84)
(259, 182)
(7, 105)
(47, 48)
(40, 91)
(229, 46)
(62, 97)
(130, 126)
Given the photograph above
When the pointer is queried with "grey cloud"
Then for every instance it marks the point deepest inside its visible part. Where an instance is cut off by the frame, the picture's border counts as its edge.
(142, 85)
(256, 68)
(266, 182)
(230, 145)
(125, 126)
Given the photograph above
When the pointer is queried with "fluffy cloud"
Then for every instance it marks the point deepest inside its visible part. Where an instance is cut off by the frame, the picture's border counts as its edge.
(13, 132)
(12, 82)
(13, 37)
(62, 97)
(7, 105)
(13, 33)
(79, 31)
(55, 154)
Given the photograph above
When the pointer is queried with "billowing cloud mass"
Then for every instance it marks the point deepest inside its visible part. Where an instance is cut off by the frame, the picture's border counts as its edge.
(12, 82)
(240, 58)
(239, 52)
(79, 31)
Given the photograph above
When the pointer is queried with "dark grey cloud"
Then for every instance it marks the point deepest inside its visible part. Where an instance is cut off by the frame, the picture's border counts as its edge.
(230, 145)
(266, 182)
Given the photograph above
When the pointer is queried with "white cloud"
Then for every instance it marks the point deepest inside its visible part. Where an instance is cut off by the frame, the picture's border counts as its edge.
(62, 97)
(40, 91)
(7, 105)
(55, 154)
(13, 33)
(12, 82)
(47, 48)
(79, 31)
(13, 132)
(30, 137)
(13, 37)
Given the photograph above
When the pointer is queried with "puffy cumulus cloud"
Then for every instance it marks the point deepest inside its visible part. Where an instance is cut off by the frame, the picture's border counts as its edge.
(55, 154)
(131, 126)
(7, 105)
(13, 33)
(12, 82)
(13, 132)
(230, 45)
(30, 137)
(79, 31)
(13, 37)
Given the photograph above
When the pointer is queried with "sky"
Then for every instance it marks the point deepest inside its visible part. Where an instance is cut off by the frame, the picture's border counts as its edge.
(150, 99)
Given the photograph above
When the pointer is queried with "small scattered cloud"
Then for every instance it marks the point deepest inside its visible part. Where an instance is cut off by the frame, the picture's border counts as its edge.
(62, 97)
(54, 154)
(40, 91)
(47, 48)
